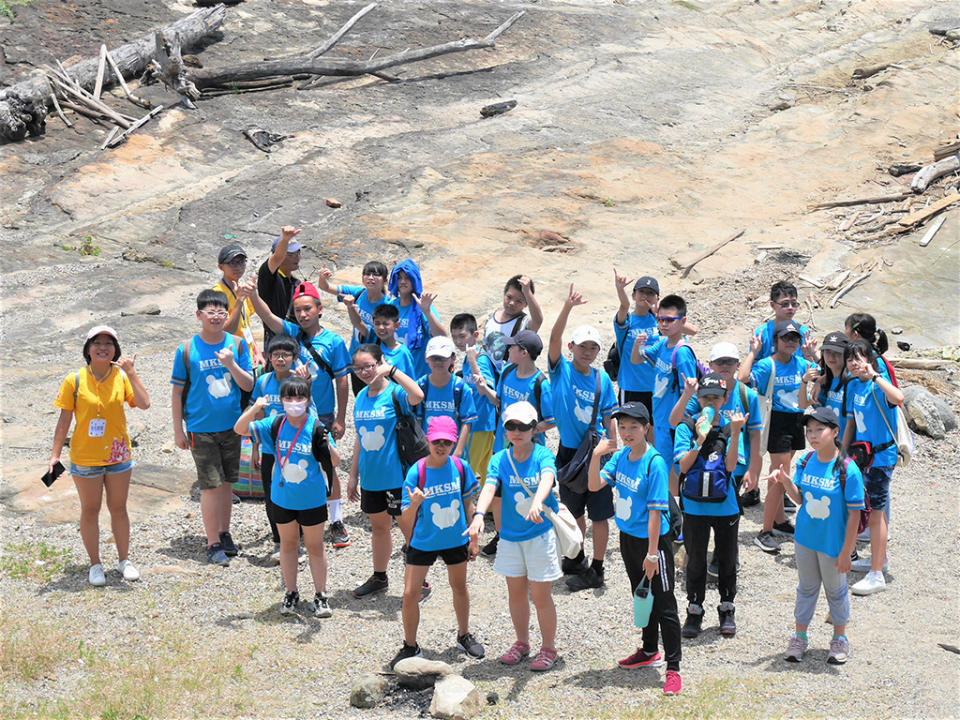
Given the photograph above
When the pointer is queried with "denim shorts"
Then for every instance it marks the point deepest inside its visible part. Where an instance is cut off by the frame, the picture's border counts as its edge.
(876, 483)
(95, 471)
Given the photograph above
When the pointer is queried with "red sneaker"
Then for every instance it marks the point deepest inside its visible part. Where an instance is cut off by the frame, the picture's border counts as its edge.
(673, 685)
(641, 659)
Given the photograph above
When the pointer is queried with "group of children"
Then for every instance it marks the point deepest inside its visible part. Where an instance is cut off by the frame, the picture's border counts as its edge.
(676, 455)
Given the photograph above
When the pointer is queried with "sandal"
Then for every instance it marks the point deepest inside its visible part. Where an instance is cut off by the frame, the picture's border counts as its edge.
(517, 652)
(546, 659)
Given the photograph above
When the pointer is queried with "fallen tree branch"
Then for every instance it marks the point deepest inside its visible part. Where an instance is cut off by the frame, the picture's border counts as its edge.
(122, 137)
(687, 268)
(136, 100)
(934, 171)
(862, 201)
(844, 290)
(336, 37)
(917, 363)
(865, 72)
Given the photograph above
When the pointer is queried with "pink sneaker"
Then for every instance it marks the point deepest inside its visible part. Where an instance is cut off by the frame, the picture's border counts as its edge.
(517, 652)
(546, 659)
(673, 685)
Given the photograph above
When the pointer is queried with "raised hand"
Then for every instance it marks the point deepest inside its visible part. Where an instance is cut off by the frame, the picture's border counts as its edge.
(620, 281)
(756, 344)
(605, 447)
(690, 387)
(425, 301)
(126, 364)
(289, 232)
(574, 298)
(809, 348)
(737, 421)
(225, 356)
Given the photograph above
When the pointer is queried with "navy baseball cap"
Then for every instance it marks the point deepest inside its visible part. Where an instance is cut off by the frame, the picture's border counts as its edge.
(836, 341)
(229, 252)
(527, 340)
(824, 414)
(635, 410)
(712, 384)
(647, 282)
(787, 327)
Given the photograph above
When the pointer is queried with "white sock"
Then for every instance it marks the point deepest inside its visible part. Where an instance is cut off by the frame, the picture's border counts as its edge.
(335, 512)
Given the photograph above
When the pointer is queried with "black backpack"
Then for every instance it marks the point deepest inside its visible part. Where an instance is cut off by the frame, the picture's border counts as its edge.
(411, 440)
(537, 390)
(317, 357)
(708, 479)
(612, 364)
(318, 446)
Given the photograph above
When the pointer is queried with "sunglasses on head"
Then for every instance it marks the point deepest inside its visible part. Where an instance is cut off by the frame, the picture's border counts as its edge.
(513, 426)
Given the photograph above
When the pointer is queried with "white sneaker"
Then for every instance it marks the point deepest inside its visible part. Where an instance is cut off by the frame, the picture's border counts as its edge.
(871, 583)
(864, 536)
(863, 565)
(96, 576)
(128, 570)
(275, 555)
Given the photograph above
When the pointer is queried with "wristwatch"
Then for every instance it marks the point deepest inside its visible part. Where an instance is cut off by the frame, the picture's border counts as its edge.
(653, 558)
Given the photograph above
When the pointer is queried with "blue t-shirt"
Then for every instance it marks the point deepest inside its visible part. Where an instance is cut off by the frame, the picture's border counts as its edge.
(683, 440)
(512, 389)
(822, 517)
(734, 403)
(515, 501)
(572, 395)
(441, 518)
(786, 384)
(443, 401)
(419, 354)
(365, 308)
(832, 397)
(765, 333)
(333, 350)
(401, 359)
(376, 422)
(298, 482)
(486, 411)
(213, 398)
(666, 391)
(267, 386)
(864, 403)
(635, 377)
(641, 487)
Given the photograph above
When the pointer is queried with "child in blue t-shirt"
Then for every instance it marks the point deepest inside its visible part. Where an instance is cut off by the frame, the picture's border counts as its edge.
(365, 298)
(826, 532)
(824, 384)
(639, 475)
(219, 369)
(419, 320)
(437, 500)
(386, 319)
(445, 394)
(300, 480)
(784, 303)
(466, 335)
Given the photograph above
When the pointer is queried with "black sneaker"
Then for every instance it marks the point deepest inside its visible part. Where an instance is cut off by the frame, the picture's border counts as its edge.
(372, 585)
(586, 580)
(216, 555)
(691, 628)
(338, 535)
(713, 570)
(767, 542)
(728, 628)
(321, 606)
(290, 602)
(230, 549)
(490, 549)
(468, 643)
(405, 652)
(574, 566)
(750, 498)
(426, 590)
(789, 506)
(784, 528)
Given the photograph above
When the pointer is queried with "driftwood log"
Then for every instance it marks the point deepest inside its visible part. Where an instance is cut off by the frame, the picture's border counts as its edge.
(935, 171)
(24, 106)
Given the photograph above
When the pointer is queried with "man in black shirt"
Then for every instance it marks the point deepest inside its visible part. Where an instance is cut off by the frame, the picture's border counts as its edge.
(275, 279)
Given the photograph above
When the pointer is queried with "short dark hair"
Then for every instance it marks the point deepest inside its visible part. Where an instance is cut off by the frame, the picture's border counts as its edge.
(386, 311)
(369, 349)
(782, 289)
(88, 343)
(283, 342)
(375, 267)
(865, 325)
(676, 302)
(463, 321)
(212, 297)
(295, 386)
(514, 283)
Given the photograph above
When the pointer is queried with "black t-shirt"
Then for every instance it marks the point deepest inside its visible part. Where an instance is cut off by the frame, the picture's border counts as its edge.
(277, 292)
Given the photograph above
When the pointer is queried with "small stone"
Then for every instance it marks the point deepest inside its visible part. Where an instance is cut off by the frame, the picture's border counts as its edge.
(492, 698)
(455, 698)
(149, 310)
(923, 415)
(368, 690)
(419, 673)
(897, 331)
(333, 202)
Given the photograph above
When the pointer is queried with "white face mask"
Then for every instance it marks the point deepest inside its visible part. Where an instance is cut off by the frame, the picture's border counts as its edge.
(295, 408)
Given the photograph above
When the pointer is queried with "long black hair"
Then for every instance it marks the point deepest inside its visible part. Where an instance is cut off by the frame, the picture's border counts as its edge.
(865, 325)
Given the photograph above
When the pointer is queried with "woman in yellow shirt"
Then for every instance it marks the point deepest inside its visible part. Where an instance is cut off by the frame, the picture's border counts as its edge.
(100, 453)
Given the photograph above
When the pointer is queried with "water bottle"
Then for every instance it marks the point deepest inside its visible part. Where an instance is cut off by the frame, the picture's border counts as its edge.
(705, 420)
(642, 603)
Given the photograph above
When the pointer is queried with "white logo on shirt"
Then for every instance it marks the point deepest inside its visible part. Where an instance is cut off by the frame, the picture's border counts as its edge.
(444, 517)
(218, 387)
(624, 507)
(789, 399)
(583, 414)
(818, 509)
(371, 440)
(295, 474)
(522, 503)
(861, 421)
(660, 385)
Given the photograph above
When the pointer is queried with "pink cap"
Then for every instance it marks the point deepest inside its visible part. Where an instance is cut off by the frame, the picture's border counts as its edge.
(442, 427)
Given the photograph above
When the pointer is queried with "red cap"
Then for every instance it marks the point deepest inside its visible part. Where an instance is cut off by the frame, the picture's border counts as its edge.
(305, 289)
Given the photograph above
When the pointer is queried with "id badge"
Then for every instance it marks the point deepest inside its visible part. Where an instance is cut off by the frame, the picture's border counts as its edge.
(98, 427)
(248, 335)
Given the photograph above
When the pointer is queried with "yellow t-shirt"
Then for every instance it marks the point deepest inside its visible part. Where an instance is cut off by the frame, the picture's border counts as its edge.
(99, 411)
(246, 314)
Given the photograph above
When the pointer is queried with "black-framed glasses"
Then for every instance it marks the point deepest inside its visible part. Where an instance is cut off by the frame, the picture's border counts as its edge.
(789, 304)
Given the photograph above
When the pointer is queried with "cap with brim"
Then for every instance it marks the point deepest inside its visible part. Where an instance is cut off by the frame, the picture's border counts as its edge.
(291, 248)
(305, 289)
(521, 412)
(526, 339)
(836, 341)
(440, 346)
(723, 351)
(712, 385)
(229, 252)
(823, 414)
(102, 330)
(442, 427)
(586, 333)
(647, 283)
(635, 410)
(787, 327)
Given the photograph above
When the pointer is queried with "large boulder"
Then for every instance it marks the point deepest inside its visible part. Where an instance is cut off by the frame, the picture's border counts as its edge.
(420, 673)
(368, 690)
(926, 413)
(455, 698)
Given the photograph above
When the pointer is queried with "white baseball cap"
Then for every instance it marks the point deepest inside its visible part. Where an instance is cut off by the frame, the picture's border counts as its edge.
(102, 330)
(440, 346)
(586, 333)
(724, 350)
(523, 412)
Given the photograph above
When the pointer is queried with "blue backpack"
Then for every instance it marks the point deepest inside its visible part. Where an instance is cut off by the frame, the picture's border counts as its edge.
(708, 479)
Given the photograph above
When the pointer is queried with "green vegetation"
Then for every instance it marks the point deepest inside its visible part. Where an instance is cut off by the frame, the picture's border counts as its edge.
(86, 246)
(7, 6)
(36, 561)
(687, 5)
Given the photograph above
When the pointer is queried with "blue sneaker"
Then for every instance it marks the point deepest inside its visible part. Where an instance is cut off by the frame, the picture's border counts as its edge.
(216, 555)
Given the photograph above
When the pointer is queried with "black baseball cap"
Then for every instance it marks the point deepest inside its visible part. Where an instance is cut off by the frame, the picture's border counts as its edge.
(824, 414)
(635, 410)
(527, 340)
(229, 252)
(712, 384)
(787, 327)
(836, 341)
(647, 282)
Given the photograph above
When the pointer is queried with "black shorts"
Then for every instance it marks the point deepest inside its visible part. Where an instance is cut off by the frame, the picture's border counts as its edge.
(307, 518)
(637, 396)
(426, 558)
(376, 501)
(598, 505)
(356, 384)
(786, 432)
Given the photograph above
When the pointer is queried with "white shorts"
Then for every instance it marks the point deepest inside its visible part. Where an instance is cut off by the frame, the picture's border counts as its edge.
(536, 559)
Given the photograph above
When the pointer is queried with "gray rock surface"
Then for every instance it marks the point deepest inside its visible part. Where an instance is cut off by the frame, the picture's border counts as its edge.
(455, 698)
(368, 690)
(419, 673)
(928, 414)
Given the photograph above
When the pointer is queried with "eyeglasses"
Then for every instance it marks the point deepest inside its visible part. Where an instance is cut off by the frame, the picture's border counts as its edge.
(514, 426)
(214, 314)
(373, 274)
(789, 304)
(442, 443)
(726, 362)
(364, 368)
(666, 319)
(281, 356)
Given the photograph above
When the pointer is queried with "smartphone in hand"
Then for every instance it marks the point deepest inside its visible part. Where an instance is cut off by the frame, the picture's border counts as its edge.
(51, 475)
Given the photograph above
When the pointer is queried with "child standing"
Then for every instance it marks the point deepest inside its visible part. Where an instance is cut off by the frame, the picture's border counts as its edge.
(444, 394)
(419, 319)
(512, 318)
(465, 336)
(635, 381)
(824, 385)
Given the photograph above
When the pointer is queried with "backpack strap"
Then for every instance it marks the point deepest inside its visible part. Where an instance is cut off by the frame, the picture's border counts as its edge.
(517, 322)
(804, 460)
(673, 361)
(596, 399)
(457, 397)
(458, 463)
(538, 391)
(76, 388)
(317, 357)
(744, 402)
(185, 354)
(275, 429)
(890, 371)
(421, 473)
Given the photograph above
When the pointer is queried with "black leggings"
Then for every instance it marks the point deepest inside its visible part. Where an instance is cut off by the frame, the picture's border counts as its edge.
(696, 537)
(266, 473)
(663, 616)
